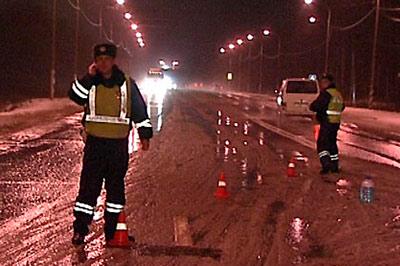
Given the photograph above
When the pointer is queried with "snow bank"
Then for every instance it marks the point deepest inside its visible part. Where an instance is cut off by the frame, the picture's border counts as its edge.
(34, 112)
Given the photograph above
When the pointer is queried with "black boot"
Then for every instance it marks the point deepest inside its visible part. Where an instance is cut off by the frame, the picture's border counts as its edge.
(335, 167)
(78, 239)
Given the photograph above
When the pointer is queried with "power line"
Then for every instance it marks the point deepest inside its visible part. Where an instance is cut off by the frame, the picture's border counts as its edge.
(394, 19)
(390, 9)
(352, 26)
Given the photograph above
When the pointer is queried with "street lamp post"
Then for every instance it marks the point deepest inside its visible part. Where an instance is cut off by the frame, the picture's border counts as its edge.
(250, 38)
(53, 51)
(76, 59)
(328, 39)
(313, 20)
(374, 55)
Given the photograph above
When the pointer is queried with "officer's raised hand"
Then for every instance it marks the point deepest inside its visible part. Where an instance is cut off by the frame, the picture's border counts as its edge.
(92, 69)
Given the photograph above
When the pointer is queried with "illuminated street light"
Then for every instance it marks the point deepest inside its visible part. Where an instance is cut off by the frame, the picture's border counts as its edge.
(138, 35)
(162, 62)
(139, 40)
(239, 42)
(266, 32)
(134, 26)
(175, 63)
(120, 2)
(142, 45)
(222, 50)
(127, 15)
(308, 2)
(231, 46)
(250, 37)
(312, 19)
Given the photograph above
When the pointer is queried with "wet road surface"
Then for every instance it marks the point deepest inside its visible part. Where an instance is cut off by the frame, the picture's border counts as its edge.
(268, 219)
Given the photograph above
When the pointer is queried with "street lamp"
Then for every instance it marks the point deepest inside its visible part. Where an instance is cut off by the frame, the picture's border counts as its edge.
(127, 15)
(231, 46)
(120, 2)
(222, 50)
(142, 45)
(250, 37)
(139, 35)
(312, 19)
(140, 40)
(134, 26)
(239, 42)
(266, 32)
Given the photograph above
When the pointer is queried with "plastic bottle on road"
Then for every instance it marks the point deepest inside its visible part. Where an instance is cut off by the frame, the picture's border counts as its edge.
(367, 190)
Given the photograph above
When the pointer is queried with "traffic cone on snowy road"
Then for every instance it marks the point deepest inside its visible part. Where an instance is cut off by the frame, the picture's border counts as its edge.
(222, 192)
(121, 238)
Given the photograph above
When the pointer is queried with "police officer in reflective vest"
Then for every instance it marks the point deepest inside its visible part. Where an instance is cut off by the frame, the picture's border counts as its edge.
(113, 105)
(329, 107)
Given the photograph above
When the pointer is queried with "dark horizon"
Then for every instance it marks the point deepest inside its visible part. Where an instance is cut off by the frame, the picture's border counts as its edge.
(192, 32)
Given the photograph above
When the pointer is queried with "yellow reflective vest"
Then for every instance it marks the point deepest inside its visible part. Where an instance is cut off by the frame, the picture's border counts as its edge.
(335, 106)
(108, 112)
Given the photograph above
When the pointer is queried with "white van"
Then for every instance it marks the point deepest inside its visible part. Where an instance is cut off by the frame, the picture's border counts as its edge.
(296, 95)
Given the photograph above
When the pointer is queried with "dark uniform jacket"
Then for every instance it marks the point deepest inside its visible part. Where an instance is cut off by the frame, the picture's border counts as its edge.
(138, 105)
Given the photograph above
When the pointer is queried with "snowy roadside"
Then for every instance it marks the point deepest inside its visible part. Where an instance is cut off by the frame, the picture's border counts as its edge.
(380, 123)
(34, 113)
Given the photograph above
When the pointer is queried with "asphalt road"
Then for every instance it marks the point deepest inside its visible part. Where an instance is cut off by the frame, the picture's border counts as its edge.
(268, 219)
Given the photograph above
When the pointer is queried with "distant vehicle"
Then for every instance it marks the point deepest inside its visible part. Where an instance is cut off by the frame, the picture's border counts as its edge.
(155, 73)
(296, 95)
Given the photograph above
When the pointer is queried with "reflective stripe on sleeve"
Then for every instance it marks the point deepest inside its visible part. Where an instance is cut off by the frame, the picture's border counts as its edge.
(330, 112)
(81, 88)
(78, 92)
(144, 123)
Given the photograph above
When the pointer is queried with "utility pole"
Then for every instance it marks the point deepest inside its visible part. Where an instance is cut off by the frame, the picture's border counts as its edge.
(101, 22)
(53, 51)
(77, 14)
(260, 84)
(353, 78)
(328, 40)
(374, 55)
(278, 59)
(249, 69)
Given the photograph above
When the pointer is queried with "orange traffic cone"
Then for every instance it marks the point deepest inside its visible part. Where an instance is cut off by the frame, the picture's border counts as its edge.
(317, 128)
(222, 192)
(121, 238)
(291, 170)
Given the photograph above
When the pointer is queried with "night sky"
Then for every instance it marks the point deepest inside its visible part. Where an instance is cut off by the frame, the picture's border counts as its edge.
(192, 31)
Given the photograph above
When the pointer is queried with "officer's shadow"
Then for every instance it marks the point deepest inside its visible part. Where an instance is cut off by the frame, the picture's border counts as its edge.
(176, 251)
(80, 256)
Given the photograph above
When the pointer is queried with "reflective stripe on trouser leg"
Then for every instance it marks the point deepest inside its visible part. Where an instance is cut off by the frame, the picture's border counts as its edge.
(323, 154)
(335, 157)
(83, 208)
(114, 208)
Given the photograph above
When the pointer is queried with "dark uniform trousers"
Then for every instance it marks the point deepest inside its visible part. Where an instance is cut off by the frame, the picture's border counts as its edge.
(327, 146)
(104, 159)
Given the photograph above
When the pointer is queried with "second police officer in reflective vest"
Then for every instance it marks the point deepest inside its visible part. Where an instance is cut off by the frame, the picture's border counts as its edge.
(113, 105)
(329, 107)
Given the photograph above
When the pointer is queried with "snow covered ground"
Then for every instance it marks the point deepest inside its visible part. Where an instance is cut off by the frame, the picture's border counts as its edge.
(35, 112)
(268, 219)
